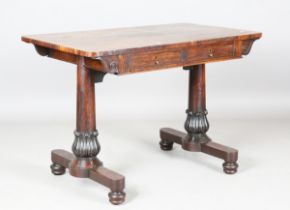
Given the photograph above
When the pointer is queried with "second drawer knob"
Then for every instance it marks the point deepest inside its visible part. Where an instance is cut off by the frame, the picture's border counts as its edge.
(210, 53)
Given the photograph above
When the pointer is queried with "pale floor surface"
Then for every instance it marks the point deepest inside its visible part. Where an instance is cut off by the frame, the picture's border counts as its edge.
(154, 179)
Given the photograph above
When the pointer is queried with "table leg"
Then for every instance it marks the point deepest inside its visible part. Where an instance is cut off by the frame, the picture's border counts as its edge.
(197, 125)
(84, 162)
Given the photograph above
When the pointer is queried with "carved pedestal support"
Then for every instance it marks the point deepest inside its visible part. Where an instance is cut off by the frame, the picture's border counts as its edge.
(83, 162)
(197, 125)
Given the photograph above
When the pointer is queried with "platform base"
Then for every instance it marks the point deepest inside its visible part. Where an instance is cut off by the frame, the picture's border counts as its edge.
(89, 168)
(229, 155)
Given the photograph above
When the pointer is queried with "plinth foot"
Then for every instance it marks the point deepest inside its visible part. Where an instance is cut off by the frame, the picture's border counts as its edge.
(230, 167)
(57, 169)
(117, 198)
(166, 145)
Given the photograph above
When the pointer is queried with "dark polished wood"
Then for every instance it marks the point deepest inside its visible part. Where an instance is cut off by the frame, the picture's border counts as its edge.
(196, 93)
(139, 49)
(83, 162)
(86, 119)
(86, 146)
(228, 154)
(197, 125)
(134, 50)
(115, 182)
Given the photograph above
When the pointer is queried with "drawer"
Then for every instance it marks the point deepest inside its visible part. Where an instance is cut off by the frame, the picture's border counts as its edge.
(210, 52)
(184, 56)
(153, 60)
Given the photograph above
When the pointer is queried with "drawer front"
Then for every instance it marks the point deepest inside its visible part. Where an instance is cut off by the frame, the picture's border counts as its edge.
(153, 60)
(184, 56)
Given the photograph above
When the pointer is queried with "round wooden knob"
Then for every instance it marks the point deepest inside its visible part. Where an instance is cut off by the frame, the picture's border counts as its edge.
(210, 53)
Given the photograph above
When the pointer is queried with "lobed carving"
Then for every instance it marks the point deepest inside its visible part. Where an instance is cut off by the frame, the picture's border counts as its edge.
(196, 123)
(86, 144)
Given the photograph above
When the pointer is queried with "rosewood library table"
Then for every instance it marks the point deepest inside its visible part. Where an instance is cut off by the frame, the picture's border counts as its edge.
(133, 50)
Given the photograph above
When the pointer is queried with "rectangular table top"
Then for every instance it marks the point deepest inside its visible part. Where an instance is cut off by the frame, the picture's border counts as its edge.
(139, 49)
(121, 40)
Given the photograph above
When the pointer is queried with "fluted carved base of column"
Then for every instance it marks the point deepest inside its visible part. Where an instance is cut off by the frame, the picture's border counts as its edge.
(196, 125)
(229, 155)
(196, 122)
(85, 148)
(86, 144)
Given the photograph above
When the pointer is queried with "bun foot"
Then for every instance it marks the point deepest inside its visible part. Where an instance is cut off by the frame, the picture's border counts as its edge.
(166, 145)
(230, 167)
(57, 169)
(117, 198)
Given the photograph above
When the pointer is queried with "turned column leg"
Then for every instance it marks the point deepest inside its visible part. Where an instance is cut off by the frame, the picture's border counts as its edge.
(196, 125)
(84, 162)
(86, 146)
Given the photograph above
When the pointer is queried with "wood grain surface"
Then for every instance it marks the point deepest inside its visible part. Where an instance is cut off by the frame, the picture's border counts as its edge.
(147, 48)
(122, 40)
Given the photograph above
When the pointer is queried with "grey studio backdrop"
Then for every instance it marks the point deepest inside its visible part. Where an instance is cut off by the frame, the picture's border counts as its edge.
(36, 91)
